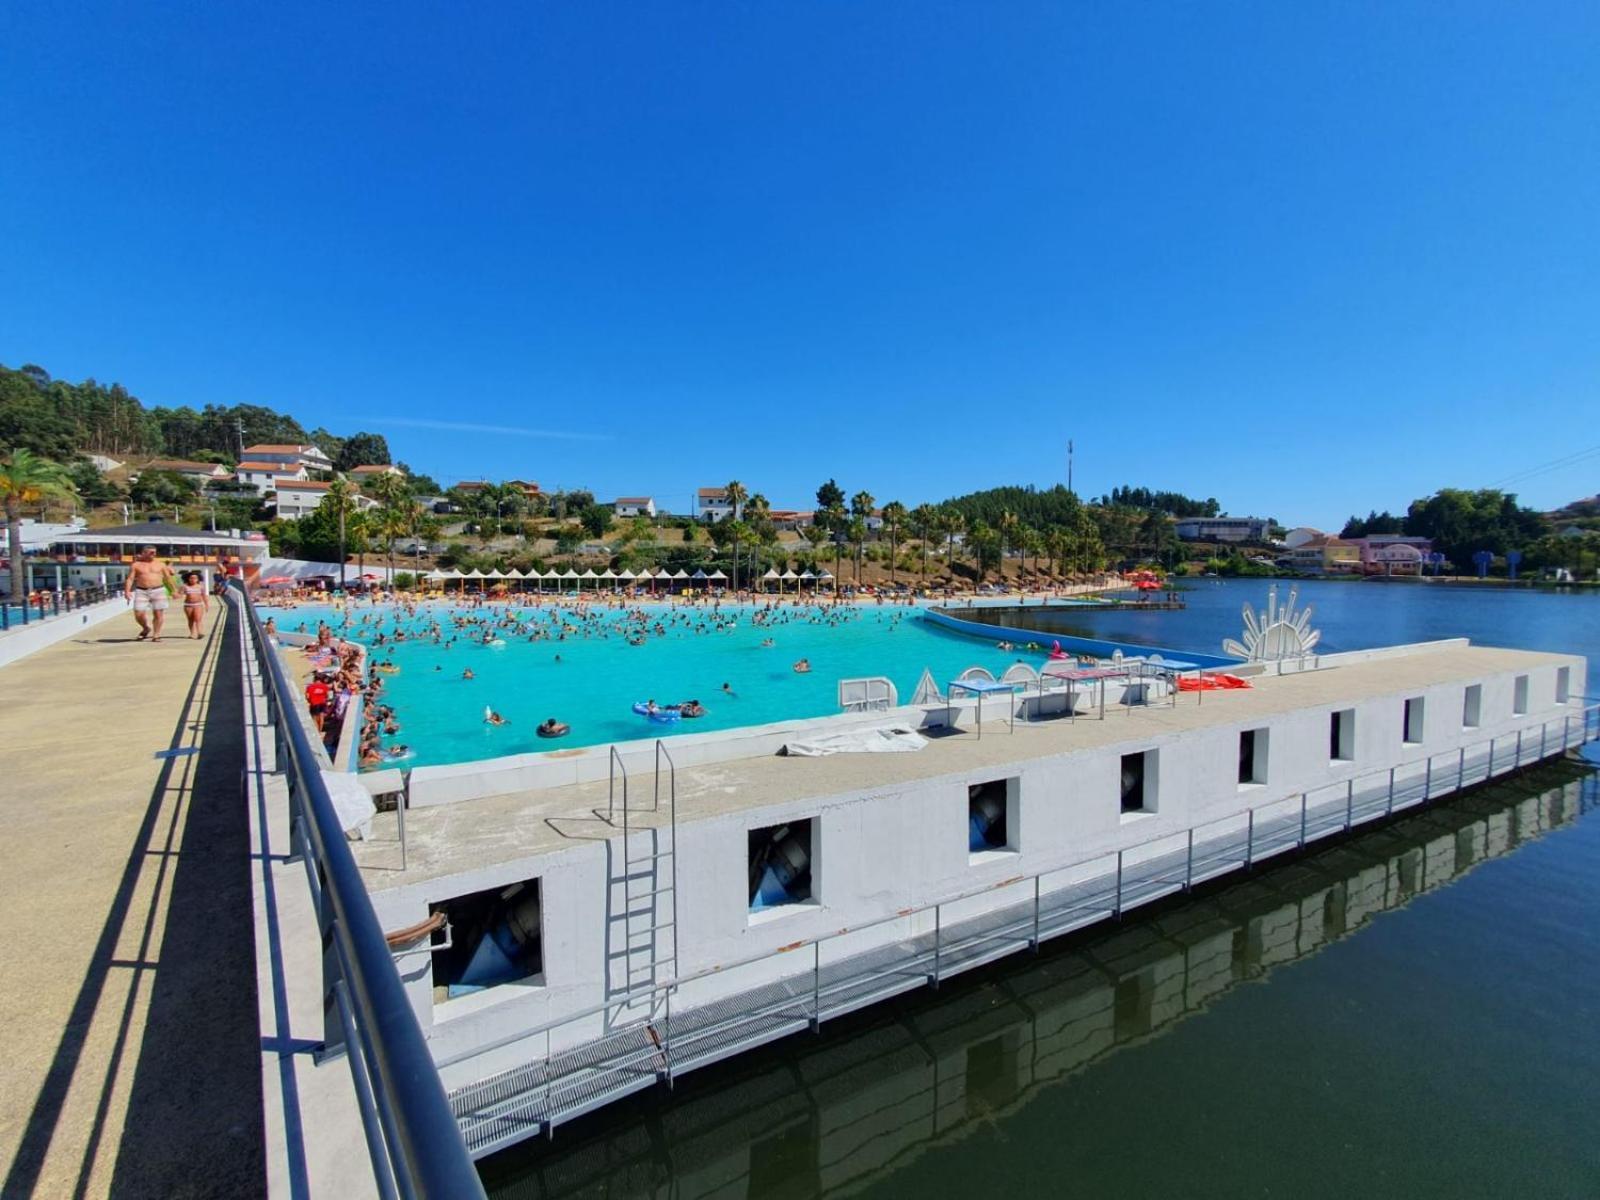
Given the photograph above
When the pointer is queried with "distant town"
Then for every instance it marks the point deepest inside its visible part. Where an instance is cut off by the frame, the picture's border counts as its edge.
(88, 470)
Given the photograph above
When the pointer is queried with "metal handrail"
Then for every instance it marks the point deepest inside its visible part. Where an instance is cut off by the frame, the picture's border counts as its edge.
(423, 1151)
(1587, 729)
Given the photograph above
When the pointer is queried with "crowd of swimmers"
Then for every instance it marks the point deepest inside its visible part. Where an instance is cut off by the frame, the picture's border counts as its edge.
(358, 662)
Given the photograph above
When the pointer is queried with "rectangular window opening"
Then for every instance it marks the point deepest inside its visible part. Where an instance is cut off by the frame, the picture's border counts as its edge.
(1472, 707)
(1138, 782)
(490, 938)
(1519, 696)
(1342, 735)
(1252, 757)
(1413, 722)
(780, 864)
(1563, 685)
(991, 817)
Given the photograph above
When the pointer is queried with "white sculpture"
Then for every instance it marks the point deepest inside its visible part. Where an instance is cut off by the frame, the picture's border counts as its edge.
(1275, 633)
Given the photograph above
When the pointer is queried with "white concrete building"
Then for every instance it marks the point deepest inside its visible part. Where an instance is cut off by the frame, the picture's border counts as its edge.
(265, 477)
(288, 454)
(1086, 811)
(711, 504)
(1222, 529)
(296, 498)
(634, 506)
(38, 535)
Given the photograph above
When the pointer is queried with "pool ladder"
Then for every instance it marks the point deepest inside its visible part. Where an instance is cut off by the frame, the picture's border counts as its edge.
(641, 909)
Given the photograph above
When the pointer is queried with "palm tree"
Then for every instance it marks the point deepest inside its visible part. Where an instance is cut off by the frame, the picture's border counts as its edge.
(342, 495)
(953, 524)
(758, 522)
(860, 508)
(894, 515)
(1057, 545)
(735, 494)
(360, 525)
(856, 528)
(832, 518)
(924, 523)
(26, 478)
(1009, 528)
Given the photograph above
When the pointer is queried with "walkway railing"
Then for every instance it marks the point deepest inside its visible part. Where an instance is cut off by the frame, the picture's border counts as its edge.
(42, 606)
(413, 1139)
(570, 1074)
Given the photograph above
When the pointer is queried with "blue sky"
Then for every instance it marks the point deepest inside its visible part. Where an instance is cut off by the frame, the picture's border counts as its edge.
(1306, 258)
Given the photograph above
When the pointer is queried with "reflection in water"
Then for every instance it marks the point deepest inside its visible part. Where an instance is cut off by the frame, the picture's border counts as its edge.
(834, 1113)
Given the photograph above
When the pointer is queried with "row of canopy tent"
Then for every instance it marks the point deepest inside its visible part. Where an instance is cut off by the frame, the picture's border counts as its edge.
(616, 578)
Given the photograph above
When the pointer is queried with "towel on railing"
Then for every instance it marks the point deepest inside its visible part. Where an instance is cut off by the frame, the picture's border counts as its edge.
(352, 802)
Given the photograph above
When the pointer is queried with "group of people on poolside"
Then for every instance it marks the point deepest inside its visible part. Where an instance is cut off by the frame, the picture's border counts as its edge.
(148, 587)
(341, 671)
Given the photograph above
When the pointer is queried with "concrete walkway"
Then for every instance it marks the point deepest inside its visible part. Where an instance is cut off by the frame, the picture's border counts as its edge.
(127, 984)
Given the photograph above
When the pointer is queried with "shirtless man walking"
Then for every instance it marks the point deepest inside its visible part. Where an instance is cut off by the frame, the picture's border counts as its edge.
(146, 586)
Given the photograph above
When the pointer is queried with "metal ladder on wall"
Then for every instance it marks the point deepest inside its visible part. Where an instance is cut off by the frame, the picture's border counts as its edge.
(641, 943)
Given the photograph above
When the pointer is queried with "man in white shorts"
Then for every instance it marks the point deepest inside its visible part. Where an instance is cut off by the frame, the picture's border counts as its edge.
(146, 586)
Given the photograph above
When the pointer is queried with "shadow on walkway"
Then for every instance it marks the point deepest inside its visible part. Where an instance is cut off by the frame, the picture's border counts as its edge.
(192, 1125)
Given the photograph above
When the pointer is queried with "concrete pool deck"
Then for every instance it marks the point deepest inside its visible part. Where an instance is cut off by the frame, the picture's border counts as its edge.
(450, 838)
(132, 1049)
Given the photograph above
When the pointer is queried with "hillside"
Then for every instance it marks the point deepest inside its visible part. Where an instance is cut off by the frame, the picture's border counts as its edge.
(62, 420)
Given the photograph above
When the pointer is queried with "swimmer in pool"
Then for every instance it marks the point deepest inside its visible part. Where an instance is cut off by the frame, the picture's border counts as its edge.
(803, 667)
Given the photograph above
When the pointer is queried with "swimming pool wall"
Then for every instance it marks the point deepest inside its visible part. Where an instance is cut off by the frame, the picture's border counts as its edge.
(1096, 646)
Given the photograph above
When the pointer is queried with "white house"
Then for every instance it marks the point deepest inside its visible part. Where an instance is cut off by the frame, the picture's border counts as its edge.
(634, 506)
(366, 474)
(285, 454)
(711, 504)
(1223, 529)
(200, 472)
(268, 476)
(298, 497)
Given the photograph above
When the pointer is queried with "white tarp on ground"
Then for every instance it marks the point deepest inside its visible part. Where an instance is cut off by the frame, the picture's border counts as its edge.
(888, 739)
(351, 801)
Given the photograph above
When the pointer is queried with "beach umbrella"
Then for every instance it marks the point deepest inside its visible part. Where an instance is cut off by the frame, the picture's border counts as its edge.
(474, 574)
(680, 573)
(789, 574)
(626, 574)
(699, 574)
(569, 573)
(608, 573)
(497, 573)
(717, 574)
(588, 573)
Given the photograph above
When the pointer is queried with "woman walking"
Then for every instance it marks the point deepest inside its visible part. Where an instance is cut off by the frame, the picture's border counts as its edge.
(195, 603)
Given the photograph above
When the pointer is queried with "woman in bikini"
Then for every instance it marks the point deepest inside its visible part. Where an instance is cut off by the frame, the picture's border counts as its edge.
(195, 603)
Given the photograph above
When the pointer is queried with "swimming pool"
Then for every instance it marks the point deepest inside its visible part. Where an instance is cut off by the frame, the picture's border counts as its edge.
(582, 669)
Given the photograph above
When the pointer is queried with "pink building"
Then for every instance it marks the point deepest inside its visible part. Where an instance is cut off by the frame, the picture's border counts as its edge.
(1393, 553)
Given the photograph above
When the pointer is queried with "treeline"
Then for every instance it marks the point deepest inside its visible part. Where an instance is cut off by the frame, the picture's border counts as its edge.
(1173, 504)
(1460, 522)
(63, 421)
(1058, 506)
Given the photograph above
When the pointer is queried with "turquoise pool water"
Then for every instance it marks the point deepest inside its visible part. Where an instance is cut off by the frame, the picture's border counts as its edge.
(599, 675)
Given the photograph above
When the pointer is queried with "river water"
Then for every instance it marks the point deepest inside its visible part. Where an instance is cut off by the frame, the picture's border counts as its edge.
(1409, 1012)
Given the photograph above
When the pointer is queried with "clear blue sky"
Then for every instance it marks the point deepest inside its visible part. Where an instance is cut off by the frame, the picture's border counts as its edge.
(1306, 258)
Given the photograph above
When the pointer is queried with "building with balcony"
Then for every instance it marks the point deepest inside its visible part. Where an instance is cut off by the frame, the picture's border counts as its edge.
(1222, 529)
